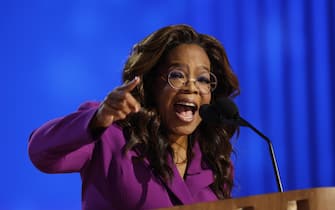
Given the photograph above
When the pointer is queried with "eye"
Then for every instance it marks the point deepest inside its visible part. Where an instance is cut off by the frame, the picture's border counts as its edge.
(175, 74)
(204, 79)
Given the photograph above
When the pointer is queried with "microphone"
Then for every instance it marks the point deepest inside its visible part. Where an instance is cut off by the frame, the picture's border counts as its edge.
(223, 112)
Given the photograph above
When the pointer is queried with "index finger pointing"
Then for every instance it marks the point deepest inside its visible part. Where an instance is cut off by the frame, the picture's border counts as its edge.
(130, 85)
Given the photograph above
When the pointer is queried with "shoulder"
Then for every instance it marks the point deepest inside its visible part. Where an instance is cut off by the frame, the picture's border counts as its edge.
(113, 137)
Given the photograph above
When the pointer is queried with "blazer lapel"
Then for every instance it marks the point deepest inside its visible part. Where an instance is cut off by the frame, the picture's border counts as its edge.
(178, 187)
(198, 175)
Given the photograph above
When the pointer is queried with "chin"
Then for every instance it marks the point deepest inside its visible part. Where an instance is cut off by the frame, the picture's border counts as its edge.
(183, 130)
(176, 127)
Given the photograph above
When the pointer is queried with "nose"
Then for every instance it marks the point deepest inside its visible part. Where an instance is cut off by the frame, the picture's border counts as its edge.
(191, 86)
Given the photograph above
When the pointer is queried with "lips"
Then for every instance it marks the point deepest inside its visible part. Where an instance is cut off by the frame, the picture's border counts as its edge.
(185, 110)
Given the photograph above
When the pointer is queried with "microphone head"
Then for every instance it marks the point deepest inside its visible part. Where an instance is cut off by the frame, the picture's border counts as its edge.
(209, 114)
(227, 108)
(223, 111)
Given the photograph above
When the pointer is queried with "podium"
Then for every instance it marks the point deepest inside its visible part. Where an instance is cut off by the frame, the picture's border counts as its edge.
(309, 199)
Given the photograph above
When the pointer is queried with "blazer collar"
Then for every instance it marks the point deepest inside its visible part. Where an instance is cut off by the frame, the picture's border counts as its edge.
(197, 177)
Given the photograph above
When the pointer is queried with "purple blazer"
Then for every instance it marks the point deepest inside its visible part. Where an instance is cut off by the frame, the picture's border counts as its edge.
(111, 180)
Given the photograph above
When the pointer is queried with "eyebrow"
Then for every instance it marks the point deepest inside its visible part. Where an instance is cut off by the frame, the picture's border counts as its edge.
(185, 66)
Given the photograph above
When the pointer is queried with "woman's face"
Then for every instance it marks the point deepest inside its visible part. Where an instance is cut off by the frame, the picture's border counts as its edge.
(179, 107)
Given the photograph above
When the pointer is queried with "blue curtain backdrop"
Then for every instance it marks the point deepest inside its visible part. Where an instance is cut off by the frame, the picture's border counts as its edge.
(57, 54)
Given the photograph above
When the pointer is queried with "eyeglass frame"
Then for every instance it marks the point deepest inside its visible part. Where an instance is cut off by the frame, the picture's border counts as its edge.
(166, 78)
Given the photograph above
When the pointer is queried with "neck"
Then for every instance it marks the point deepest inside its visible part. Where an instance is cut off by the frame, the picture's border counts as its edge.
(179, 142)
(179, 146)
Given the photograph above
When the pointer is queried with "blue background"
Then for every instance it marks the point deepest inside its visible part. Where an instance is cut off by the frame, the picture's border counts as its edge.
(57, 54)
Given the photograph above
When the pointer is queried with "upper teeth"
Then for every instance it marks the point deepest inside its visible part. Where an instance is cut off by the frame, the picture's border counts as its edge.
(186, 104)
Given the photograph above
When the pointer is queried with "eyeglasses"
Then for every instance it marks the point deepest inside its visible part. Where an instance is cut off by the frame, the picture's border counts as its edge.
(206, 82)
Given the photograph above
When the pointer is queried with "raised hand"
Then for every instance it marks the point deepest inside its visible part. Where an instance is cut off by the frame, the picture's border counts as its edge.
(117, 105)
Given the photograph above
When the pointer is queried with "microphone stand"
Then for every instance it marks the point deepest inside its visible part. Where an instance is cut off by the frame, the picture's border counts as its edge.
(226, 112)
(243, 122)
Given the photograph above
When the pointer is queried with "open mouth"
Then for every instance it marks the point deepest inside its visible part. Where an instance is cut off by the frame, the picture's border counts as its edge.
(185, 110)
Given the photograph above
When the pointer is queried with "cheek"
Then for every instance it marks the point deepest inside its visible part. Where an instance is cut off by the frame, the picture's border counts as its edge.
(206, 99)
(164, 97)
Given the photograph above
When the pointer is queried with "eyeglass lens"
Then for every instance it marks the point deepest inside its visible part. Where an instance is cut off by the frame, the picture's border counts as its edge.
(205, 82)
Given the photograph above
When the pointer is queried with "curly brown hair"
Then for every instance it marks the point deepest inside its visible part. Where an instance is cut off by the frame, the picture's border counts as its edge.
(144, 131)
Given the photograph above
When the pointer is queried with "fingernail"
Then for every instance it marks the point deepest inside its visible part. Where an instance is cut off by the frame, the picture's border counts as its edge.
(138, 108)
